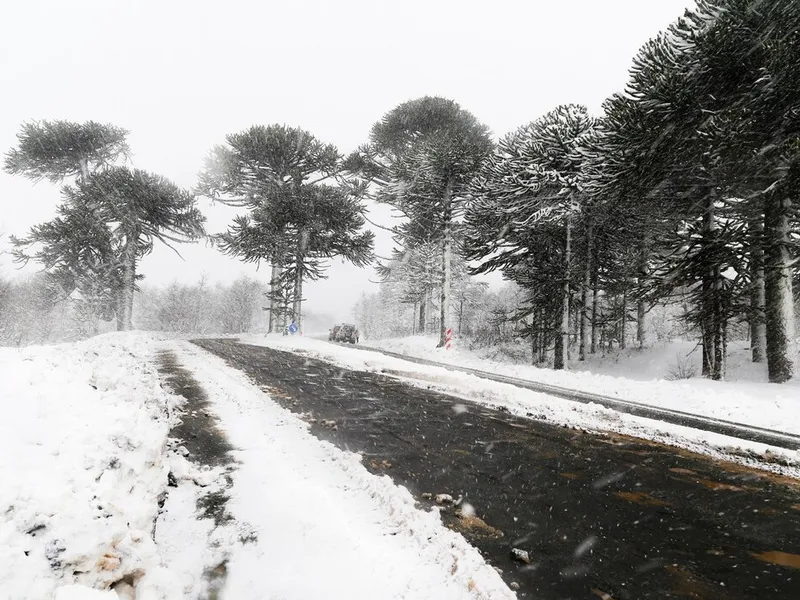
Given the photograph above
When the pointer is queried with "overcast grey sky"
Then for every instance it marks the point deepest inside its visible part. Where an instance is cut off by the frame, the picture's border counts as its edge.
(180, 74)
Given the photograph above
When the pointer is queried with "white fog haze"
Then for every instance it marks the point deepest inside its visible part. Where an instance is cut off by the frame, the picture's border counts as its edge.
(181, 75)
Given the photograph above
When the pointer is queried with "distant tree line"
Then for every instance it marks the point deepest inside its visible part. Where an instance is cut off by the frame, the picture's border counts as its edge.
(33, 310)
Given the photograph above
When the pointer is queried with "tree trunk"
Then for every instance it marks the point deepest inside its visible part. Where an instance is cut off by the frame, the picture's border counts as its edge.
(724, 344)
(120, 311)
(284, 313)
(586, 313)
(623, 324)
(297, 304)
(758, 330)
(575, 326)
(595, 300)
(544, 340)
(712, 315)
(719, 341)
(559, 351)
(641, 309)
(447, 250)
(423, 303)
(583, 331)
(128, 282)
(562, 341)
(779, 302)
(534, 349)
(274, 300)
(603, 340)
(641, 323)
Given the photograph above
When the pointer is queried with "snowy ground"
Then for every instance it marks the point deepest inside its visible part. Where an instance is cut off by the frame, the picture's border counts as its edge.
(643, 376)
(85, 454)
(781, 411)
(329, 528)
(82, 453)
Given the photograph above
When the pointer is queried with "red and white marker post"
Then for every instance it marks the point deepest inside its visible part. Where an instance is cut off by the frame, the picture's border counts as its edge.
(448, 337)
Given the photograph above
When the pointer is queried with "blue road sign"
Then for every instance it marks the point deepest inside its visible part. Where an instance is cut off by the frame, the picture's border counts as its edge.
(293, 328)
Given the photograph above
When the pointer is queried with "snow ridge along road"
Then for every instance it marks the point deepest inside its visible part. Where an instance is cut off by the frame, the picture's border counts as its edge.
(760, 435)
(108, 477)
(318, 523)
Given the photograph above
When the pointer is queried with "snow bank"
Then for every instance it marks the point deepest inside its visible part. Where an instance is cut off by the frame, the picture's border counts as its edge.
(323, 526)
(641, 376)
(82, 442)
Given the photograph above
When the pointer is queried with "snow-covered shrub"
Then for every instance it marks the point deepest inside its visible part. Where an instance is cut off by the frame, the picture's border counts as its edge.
(682, 369)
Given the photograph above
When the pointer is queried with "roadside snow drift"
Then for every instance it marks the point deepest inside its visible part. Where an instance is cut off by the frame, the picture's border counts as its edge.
(642, 376)
(321, 525)
(82, 445)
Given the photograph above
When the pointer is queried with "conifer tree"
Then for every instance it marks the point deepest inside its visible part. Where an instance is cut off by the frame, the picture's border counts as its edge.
(530, 186)
(421, 157)
(296, 220)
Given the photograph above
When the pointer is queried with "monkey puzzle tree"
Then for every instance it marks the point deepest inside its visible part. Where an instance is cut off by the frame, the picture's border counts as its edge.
(74, 247)
(106, 223)
(421, 156)
(56, 150)
(295, 220)
(526, 188)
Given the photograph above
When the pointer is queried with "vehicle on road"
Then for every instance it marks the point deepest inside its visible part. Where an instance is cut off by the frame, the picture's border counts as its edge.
(347, 333)
(333, 333)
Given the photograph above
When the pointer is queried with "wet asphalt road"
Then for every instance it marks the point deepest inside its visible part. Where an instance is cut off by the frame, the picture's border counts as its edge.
(741, 431)
(600, 516)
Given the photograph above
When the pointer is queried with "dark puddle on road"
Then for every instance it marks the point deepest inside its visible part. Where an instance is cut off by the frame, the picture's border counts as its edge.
(689, 585)
(200, 434)
(718, 485)
(683, 471)
(471, 527)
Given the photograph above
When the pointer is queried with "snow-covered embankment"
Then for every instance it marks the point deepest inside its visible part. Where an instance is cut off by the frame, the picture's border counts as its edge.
(82, 454)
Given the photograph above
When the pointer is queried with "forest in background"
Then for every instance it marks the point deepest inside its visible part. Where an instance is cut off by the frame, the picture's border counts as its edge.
(679, 199)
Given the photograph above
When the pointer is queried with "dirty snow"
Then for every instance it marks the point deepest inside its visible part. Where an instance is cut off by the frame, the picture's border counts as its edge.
(82, 456)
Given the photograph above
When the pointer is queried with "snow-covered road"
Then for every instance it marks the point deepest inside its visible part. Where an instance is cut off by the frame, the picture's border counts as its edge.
(86, 460)
(324, 527)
